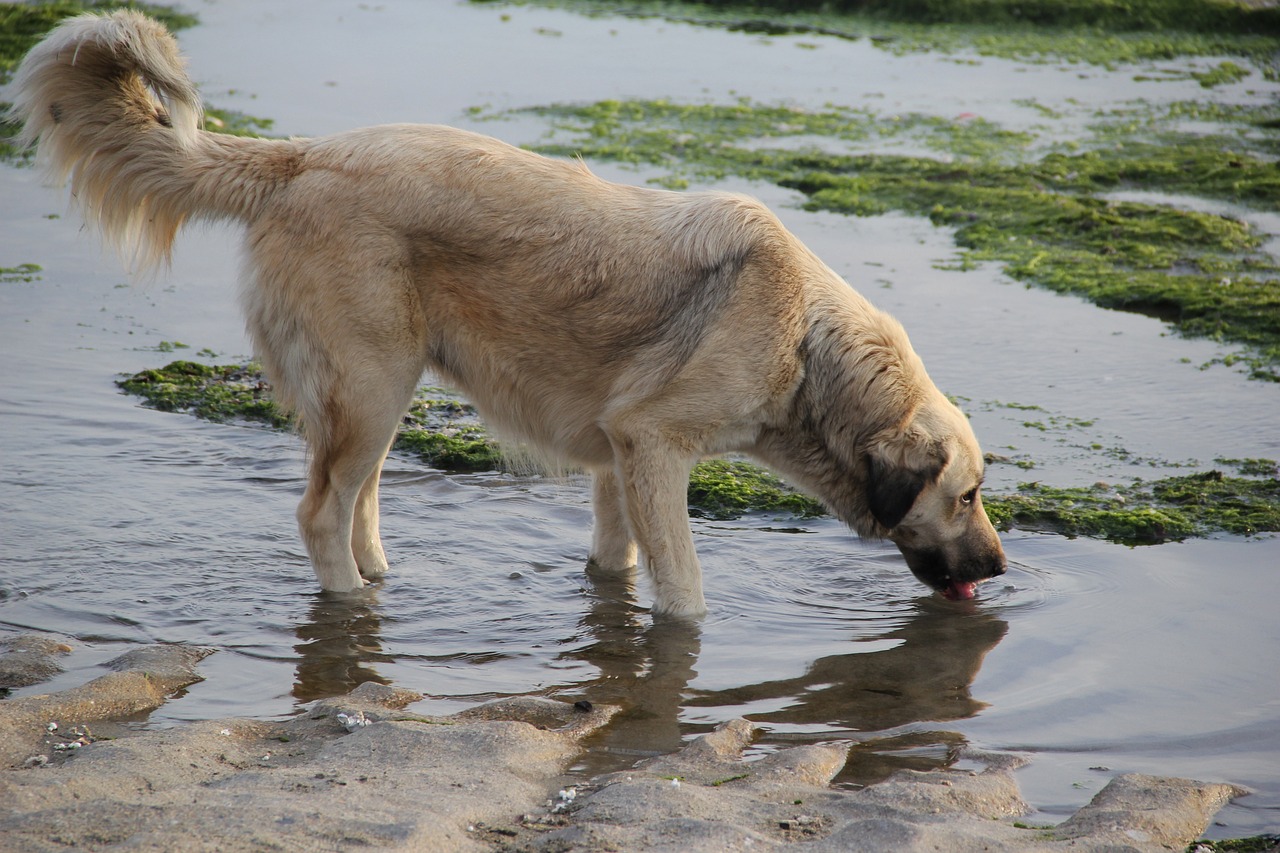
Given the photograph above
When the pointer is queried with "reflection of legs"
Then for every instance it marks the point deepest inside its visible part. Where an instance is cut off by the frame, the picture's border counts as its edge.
(338, 645)
(655, 479)
(613, 550)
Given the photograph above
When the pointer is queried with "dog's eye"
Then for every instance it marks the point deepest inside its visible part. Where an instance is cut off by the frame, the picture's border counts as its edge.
(967, 497)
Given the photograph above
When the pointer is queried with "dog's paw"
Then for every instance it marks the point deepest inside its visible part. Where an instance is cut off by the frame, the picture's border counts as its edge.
(375, 572)
(681, 607)
(612, 567)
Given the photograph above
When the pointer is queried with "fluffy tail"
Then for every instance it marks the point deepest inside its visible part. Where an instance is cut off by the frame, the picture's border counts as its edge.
(108, 102)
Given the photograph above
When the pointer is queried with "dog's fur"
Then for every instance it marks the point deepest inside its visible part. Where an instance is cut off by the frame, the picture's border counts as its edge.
(629, 331)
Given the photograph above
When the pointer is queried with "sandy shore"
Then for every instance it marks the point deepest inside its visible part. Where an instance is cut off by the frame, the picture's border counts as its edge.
(357, 771)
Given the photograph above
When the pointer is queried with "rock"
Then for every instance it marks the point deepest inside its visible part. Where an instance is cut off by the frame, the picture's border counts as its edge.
(722, 802)
(146, 677)
(360, 771)
(416, 782)
(1149, 810)
(30, 659)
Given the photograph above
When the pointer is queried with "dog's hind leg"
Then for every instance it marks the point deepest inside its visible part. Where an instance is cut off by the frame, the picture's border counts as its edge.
(366, 540)
(655, 483)
(613, 549)
(338, 516)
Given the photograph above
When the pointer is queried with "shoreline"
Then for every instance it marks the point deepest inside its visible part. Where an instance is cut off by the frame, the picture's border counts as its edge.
(357, 770)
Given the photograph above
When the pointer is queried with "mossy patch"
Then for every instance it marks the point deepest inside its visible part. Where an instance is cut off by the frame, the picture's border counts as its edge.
(1098, 32)
(20, 273)
(1256, 844)
(445, 432)
(726, 488)
(1048, 215)
(236, 123)
(1164, 510)
(221, 393)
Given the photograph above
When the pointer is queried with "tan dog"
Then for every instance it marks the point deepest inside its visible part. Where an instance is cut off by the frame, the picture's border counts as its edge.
(630, 331)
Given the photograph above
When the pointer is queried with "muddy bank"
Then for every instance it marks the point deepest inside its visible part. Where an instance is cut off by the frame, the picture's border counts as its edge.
(358, 770)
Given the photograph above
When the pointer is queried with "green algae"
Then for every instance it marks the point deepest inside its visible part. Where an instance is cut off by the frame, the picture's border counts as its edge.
(1105, 33)
(1252, 467)
(236, 123)
(1098, 32)
(1046, 211)
(1049, 217)
(727, 488)
(20, 273)
(1255, 844)
(1112, 15)
(1144, 512)
(222, 394)
(445, 432)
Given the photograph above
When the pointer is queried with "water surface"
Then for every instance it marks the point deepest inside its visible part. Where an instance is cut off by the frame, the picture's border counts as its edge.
(123, 526)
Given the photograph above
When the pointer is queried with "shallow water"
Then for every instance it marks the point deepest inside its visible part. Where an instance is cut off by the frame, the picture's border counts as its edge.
(121, 525)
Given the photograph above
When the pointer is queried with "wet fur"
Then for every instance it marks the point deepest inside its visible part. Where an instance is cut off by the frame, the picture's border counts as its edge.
(629, 331)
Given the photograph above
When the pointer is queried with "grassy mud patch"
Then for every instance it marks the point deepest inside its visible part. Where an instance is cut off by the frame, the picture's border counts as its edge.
(1098, 32)
(1169, 509)
(445, 432)
(21, 273)
(1256, 844)
(1048, 212)
(222, 393)
(727, 488)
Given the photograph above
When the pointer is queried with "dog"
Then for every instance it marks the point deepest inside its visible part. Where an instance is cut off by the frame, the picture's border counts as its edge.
(628, 331)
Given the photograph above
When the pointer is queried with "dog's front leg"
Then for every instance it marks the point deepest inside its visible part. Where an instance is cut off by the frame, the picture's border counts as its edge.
(655, 483)
(613, 549)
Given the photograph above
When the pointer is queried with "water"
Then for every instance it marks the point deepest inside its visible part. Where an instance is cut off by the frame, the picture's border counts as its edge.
(122, 526)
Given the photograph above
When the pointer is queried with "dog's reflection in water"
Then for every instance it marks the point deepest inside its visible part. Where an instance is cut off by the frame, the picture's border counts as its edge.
(337, 646)
(648, 668)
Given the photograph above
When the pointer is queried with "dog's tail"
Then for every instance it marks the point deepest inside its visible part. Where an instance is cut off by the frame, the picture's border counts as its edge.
(108, 101)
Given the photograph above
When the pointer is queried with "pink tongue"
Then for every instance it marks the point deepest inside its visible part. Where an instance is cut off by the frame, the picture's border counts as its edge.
(960, 591)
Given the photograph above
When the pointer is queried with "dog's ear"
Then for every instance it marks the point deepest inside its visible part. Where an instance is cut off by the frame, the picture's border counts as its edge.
(893, 488)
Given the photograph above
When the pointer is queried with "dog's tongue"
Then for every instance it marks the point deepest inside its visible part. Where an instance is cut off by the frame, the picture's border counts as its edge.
(960, 591)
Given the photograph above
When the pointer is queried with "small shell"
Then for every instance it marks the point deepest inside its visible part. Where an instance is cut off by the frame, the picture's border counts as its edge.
(351, 722)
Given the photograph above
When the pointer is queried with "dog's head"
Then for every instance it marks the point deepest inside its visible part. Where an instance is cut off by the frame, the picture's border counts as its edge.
(923, 487)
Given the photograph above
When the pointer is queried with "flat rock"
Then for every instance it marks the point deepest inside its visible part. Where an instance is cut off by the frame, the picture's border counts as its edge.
(360, 771)
(30, 659)
(705, 797)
